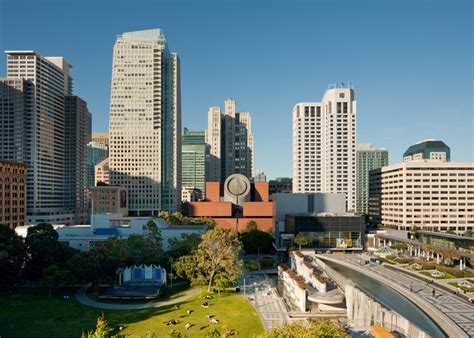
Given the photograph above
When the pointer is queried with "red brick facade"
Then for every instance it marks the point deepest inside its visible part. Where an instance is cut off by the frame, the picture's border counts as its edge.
(259, 209)
(12, 193)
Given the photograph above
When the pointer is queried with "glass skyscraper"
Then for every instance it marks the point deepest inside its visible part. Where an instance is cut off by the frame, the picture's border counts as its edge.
(96, 153)
(193, 157)
(368, 158)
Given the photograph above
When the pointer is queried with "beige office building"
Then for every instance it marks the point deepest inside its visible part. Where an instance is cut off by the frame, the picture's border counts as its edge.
(428, 194)
(101, 137)
(109, 200)
(102, 172)
(145, 122)
(230, 140)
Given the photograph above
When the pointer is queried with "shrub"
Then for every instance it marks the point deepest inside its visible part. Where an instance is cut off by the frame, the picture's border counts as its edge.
(391, 257)
(425, 265)
(267, 263)
(404, 260)
(252, 265)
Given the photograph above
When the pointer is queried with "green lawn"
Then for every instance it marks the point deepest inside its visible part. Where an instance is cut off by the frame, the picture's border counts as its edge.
(43, 316)
(464, 288)
(428, 274)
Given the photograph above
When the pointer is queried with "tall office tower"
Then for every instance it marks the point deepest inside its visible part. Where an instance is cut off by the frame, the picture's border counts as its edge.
(324, 138)
(12, 119)
(96, 153)
(428, 150)
(100, 137)
(231, 143)
(47, 82)
(193, 167)
(368, 158)
(77, 136)
(145, 122)
(260, 177)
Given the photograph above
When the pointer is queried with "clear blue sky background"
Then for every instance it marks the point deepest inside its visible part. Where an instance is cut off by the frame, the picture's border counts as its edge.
(411, 62)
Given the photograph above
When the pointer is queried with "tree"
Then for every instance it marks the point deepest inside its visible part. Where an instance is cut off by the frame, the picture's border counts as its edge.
(319, 329)
(468, 233)
(215, 262)
(154, 232)
(399, 246)
(255, 241)
(84, 267)
(143, 250)
(184, 246)
(302, 240)
(12, 256)
(251, 225)
(54, 277)
(44, 250)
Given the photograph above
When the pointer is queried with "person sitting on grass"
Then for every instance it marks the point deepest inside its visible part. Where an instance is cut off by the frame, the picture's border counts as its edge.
(188, 326)
(205, 305)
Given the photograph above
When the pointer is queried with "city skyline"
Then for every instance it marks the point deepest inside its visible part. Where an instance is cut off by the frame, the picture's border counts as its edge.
(408, 85)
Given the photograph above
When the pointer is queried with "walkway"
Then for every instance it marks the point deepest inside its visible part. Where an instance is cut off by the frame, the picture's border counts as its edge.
(270, 307)
(266, 300)
(459, 311)
(84, 300)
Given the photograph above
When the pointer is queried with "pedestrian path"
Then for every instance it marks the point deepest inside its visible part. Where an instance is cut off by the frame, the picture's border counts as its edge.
(270, 307)
(459, 311)
(84, 300)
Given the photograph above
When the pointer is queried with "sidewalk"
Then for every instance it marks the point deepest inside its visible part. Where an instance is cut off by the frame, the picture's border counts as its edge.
(84, 300)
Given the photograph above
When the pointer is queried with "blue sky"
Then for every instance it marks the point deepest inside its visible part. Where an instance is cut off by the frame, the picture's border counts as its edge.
(411, 62)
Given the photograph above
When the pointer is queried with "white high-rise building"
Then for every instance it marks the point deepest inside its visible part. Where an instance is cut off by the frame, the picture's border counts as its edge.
(231, 143)
(41, 138)
(145, 122)
(324, 144)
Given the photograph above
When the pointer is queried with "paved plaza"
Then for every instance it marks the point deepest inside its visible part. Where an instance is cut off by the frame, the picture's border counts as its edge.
(458, 310)
(266, 301)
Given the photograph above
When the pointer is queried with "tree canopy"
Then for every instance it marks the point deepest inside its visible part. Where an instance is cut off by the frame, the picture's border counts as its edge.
(215, 262)
(12, 256)
(178, 219)
(302, 240)
(319, 329)
(183, 246)
(256, 241)
(44, 250)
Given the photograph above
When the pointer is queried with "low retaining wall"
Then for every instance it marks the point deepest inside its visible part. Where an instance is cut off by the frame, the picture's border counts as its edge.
(364, 311)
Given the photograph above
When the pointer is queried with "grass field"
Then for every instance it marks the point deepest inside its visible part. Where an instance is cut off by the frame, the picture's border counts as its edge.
(464, 288)
(428, 274)
(43, 316)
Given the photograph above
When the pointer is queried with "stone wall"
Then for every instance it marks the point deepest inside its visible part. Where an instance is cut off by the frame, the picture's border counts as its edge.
(363, 312)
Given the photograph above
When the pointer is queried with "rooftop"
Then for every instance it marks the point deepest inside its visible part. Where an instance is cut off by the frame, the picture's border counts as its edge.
(426, 144)
(152, 36)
